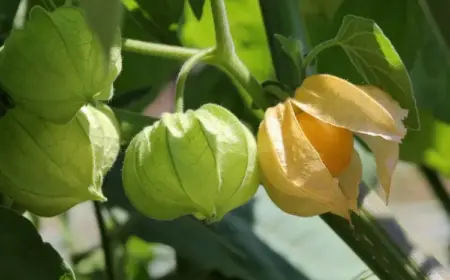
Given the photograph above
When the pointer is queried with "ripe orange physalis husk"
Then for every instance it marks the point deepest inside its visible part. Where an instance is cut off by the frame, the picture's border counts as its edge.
(305, 145)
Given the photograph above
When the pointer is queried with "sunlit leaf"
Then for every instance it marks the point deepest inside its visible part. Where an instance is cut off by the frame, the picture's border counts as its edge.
(376, 59)
(324, 18)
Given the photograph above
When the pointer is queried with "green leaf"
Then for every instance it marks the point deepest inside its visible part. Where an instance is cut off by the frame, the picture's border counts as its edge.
(377, 61)
(197, 7)
(104, 17)
(247, 30)
(402, 23)
(24, 255)
(323, 19)
(55, 65)
(293, 49)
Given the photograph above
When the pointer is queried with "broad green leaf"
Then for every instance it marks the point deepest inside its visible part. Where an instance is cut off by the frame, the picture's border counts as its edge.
(55, 65)
(231, 248)
(292, 48)
(197, 7)
(323, 19)
(105, 18)
(377, 61)
(246, 28)
(24, 255)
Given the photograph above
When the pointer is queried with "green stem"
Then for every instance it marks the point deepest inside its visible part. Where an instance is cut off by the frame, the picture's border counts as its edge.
(224, 40)
(160, 50)
(182, 77)
(316, 50)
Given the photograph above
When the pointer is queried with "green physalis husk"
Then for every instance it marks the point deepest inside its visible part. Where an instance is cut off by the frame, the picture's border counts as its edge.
(48, 168)
(201, 162)
(55, 64)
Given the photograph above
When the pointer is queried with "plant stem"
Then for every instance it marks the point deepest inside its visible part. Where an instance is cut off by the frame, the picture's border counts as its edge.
(249, 88)
(182, 77)
(224, 40)
(160, 50)
(438, 187)
(109, 263)
(316, 50)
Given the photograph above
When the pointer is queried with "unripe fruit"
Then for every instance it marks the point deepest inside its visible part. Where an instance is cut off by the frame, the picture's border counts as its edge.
(49, 168)
(201, 162)
(55, 64)
(334, 144)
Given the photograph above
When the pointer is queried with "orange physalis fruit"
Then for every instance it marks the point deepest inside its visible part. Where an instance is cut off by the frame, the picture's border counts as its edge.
(305, 145)
(334, 144)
